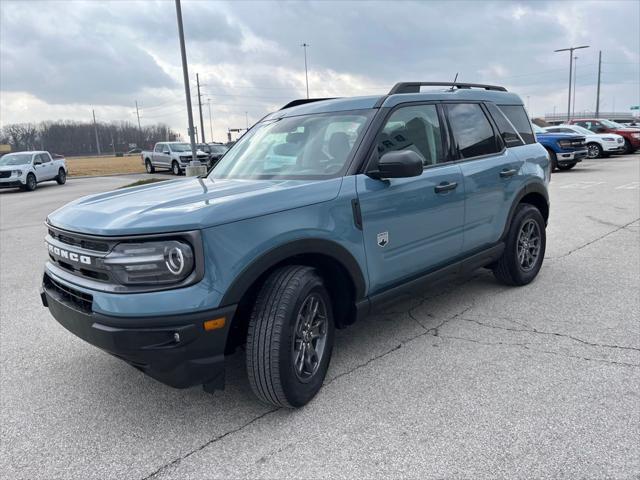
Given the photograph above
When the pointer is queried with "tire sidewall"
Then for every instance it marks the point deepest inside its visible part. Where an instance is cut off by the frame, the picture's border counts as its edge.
(299, 393)
(175, 168)
(148, 166)
(30, 186)
(523, 214)
(62, 177)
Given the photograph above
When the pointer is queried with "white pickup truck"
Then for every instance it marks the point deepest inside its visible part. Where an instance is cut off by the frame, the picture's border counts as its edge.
(26, 169)
(174, 156)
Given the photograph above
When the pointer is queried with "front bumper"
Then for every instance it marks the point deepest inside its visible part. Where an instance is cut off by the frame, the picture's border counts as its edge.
(175, 350)
(571, 157)
(13, 181)
(613, 147)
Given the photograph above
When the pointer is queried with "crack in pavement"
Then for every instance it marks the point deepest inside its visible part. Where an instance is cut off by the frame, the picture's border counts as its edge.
(623, 227)
(556, 334)
(526, 347)
(176, 461)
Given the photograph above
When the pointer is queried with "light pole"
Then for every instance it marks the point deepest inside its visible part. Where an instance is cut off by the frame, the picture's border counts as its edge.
(575, 76)
(306, 73)
(187, 90)
(570, 50)
(210, 122)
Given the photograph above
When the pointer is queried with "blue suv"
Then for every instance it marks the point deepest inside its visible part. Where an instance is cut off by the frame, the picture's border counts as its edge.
(324, 211)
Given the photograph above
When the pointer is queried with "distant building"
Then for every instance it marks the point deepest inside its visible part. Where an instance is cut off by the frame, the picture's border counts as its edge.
(558, 118)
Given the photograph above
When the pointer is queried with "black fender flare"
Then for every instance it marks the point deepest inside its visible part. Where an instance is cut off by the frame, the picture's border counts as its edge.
(535, 186)
(272, 257)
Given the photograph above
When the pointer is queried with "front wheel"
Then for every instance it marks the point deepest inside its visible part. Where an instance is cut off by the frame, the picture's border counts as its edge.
(566, 166)
(62, 177)
(31, 184)
(524, 247)
(290, 337)
(628, 148)
(594, 150)
(175, 168)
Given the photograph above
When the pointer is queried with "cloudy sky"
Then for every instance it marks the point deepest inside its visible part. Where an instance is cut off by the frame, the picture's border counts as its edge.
(58, 60)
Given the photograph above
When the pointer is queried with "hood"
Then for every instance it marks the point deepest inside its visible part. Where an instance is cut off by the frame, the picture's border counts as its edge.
(570, 136)
(188, 204)
(4, 168)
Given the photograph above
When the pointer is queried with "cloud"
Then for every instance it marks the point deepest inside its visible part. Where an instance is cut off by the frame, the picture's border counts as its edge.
(249, 57)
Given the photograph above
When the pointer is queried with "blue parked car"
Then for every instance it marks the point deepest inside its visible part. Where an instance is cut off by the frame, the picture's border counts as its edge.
(565, 149)
(324, 211)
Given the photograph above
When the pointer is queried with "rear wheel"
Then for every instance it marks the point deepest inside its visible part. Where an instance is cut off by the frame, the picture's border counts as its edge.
(149, 166)
(175, 168)
(524, 247)
(61, 178)
(31, 184)
(594, 150)
(566, 166)
(290, 337)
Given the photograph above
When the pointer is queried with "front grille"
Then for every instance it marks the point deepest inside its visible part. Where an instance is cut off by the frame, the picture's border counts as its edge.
(75, 298)
(578, 143)
(81, 242)
(5, 174)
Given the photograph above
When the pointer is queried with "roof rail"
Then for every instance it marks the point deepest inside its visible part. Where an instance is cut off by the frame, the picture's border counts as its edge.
(414, 87)
(302, 101)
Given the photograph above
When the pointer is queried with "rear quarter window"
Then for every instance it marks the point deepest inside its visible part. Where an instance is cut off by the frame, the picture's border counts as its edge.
(520, 120)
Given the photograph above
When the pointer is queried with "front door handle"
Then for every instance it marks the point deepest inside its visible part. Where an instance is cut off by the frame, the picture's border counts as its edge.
(445, 187)
(508, 173)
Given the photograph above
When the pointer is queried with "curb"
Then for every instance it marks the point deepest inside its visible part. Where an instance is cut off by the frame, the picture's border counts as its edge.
(105, 175)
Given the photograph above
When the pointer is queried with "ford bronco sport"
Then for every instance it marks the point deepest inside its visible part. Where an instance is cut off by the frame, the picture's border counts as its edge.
(321, 213)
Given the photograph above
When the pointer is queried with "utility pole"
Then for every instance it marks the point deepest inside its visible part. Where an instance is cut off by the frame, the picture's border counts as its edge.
(575, 76)
(95, 127)
(598, 91)
(570, 50)
(210, 122)
(306, 73)
(200, 108)
(139, 127)
(187, 90)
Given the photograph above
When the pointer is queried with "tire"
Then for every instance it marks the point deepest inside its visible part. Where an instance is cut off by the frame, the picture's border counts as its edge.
(31, 184)
(277, 337)
(175, 168)
(594, 150)
(511, 268)
(628, 148)
(149, 166)
(566, 166)
(553, 159)
(61, 178)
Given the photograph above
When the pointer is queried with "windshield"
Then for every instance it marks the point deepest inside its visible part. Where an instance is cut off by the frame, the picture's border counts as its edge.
(610, 124)
(180, 147)
(15, 159)
(306, 146)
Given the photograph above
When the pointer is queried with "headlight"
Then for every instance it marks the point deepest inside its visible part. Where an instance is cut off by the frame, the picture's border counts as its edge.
(150, 263)
(635, 135)
(564, 143)
(17, 173)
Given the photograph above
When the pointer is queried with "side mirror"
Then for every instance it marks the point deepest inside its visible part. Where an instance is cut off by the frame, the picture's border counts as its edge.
(166, 152)
(37, 162)
(398, 164)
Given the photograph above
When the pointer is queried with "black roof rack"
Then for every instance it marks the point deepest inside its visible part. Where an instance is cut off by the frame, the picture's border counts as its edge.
(302, 101)
(414, 87)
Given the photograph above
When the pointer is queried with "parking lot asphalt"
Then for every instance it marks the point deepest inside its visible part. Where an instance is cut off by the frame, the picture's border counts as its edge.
(472, 379)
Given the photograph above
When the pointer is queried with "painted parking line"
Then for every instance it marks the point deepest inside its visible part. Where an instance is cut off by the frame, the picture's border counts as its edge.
(582, 185)
(629, 186)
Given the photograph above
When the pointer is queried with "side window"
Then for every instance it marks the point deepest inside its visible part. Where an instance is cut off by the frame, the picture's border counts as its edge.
(518, 117)
(45, 158)
(473, 135)
(507, 130)
(414, 128)
(158, 147)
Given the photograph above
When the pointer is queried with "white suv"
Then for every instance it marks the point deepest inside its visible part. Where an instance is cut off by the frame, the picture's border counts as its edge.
(598, 144)
(26, 169)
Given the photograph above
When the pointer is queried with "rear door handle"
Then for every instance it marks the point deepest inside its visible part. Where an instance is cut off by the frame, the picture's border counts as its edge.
(508, 173)
(445, 187)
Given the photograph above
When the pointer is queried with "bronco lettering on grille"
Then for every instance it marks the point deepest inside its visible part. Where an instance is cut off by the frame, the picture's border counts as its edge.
(74, 257)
